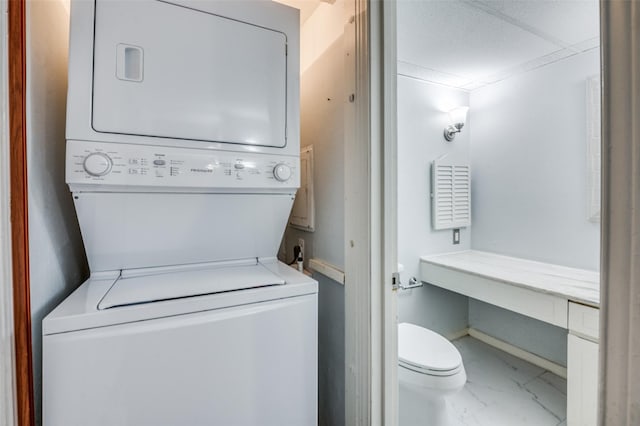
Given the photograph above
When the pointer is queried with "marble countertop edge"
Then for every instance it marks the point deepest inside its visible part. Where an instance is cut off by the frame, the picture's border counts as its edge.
(585, 292)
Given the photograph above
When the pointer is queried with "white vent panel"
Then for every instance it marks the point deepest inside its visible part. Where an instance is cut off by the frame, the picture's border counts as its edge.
(451, 195)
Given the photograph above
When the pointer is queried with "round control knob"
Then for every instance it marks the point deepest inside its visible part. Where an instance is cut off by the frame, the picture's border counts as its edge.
(282, 172)
(97, 164)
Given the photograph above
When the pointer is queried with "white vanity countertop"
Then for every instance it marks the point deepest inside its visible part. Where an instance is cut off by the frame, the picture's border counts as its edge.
(579, 285)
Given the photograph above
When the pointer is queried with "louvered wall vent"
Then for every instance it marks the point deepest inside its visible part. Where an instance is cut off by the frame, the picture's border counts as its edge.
(450, 195)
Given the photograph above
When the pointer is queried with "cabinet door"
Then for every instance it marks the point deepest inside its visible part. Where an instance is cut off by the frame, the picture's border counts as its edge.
(582, 382)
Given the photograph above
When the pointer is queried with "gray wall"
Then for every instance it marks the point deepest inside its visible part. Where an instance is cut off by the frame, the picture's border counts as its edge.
(537, 337)
(331, 355)
(57, 259)
(529, 160)
(422, 118)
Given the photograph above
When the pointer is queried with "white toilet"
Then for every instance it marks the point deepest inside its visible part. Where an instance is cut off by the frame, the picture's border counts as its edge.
(430, 369)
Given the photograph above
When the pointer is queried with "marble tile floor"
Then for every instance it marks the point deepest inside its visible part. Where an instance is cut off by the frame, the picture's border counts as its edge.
(503, 390)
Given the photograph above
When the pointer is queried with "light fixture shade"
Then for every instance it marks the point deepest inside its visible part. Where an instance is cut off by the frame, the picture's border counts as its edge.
(459, 115)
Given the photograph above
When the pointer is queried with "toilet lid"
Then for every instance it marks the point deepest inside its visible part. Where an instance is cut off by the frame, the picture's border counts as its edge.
(426, 350)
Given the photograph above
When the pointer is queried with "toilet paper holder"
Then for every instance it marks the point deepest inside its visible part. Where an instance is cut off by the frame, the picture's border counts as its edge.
(413, 283)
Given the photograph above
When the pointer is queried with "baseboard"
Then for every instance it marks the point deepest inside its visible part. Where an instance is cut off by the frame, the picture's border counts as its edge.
(457, 335)
(555, 368)
(327, 269)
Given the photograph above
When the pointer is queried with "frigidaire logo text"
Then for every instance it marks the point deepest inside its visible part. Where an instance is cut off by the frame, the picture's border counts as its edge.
(202, 170)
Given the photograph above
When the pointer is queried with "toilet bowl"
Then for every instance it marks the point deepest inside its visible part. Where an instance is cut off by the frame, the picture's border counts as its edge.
(430, 370)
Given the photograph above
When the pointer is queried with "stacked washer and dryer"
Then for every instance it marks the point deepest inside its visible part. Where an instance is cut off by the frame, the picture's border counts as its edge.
(183, 160)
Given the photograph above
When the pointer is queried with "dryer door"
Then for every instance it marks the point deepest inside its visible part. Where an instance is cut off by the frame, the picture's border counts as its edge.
(170, 71)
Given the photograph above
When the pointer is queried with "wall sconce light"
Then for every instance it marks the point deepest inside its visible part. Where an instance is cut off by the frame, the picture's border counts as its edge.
(458, 117)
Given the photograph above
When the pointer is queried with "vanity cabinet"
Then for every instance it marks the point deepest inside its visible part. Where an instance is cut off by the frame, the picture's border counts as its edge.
(582, 363)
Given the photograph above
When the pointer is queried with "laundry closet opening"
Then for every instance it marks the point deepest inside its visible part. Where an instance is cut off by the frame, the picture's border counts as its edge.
(132, 243)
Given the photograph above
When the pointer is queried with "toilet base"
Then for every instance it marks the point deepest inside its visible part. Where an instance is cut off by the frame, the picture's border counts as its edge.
(421, 409)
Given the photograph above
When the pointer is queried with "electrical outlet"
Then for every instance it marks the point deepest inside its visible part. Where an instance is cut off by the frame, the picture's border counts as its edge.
(456, 236)
(301, 244)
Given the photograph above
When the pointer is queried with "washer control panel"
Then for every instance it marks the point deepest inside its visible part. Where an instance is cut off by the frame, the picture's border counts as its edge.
(142, 165)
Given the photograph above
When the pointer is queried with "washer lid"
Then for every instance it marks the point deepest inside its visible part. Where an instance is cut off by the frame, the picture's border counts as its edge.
(426, 350)
(134, 288)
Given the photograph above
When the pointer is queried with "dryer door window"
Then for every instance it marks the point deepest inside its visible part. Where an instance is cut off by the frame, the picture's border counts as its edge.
(168, 71)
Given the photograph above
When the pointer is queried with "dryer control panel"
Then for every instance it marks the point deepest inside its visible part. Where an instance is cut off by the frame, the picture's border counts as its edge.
(98, 163)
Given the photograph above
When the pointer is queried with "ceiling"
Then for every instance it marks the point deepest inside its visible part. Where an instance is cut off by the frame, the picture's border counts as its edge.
(468, 44)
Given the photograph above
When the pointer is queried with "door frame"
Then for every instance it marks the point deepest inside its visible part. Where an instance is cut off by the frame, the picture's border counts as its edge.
(18, 214)
(619, 389)
(389, 168)
(7, 347)
(619, 393)
(370, 219)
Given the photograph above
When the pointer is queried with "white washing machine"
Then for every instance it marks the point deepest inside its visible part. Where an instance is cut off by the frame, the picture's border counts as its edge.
(183, 159)
(243, 357)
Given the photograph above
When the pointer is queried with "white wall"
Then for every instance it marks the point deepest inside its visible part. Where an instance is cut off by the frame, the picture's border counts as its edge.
(529, 158)
(322, 125)
(323, 28)
(422, 117)
(530, 185)
(57, 259)
(322, 98)
(527, 143)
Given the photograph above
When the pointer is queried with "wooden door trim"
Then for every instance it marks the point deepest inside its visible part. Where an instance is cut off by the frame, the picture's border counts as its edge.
(19, 211)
